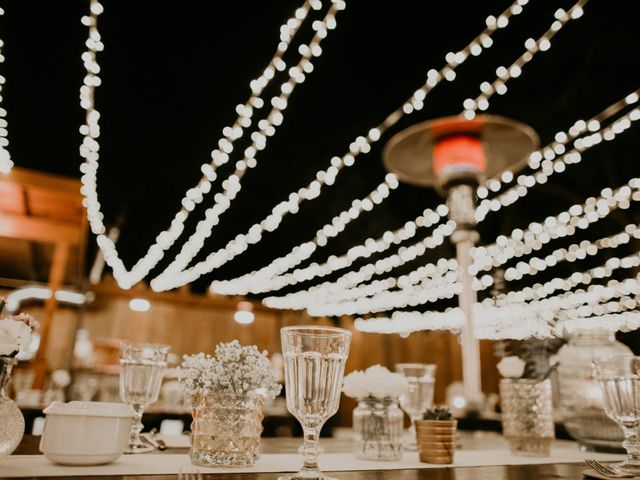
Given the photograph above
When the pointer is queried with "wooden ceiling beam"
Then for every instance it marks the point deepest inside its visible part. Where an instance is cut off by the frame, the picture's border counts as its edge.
(39, 229)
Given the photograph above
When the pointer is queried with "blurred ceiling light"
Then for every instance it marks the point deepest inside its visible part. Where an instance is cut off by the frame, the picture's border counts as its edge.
(139, 304)
(244, 313)
(19, 295)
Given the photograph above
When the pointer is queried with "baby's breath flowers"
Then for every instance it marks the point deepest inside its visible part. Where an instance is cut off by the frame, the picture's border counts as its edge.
(233, 369)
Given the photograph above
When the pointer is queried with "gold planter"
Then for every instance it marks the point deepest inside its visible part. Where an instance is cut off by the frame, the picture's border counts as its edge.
(436, 440)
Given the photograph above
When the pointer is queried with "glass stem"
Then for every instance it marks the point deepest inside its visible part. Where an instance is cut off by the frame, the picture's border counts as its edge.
(632, 445)
(136, 427)
(310, 449)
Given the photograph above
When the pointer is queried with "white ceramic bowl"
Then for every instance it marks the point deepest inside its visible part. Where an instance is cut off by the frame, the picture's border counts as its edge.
(85, 433)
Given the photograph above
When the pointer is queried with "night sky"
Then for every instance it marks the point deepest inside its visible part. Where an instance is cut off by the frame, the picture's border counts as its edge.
(173, 72)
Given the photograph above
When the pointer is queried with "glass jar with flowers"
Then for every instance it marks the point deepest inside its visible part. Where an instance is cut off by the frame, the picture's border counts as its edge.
(377, 420)
(15, 336)
(227, 393)
(525, 392)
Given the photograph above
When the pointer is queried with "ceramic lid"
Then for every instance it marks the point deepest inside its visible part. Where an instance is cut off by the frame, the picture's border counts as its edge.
(90, 409)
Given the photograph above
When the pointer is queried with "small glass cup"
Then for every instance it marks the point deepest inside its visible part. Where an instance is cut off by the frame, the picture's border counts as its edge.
(419, 397)
(619, 377)
(141, 368)
(313, 369)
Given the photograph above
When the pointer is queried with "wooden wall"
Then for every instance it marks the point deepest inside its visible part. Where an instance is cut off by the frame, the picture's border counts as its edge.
(198, 325)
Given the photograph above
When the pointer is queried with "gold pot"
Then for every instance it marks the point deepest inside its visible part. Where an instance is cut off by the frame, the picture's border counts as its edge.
(436, 440)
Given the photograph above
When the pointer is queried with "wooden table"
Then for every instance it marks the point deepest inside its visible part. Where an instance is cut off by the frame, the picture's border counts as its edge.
(29, 445)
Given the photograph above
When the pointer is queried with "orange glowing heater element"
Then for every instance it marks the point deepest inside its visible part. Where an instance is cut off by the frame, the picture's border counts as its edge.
(458, 154)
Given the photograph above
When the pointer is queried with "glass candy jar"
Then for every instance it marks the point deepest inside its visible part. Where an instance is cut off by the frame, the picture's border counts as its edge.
(527, 416)
(580, 398)
(11, 419)
(226, 429)
(378, 429)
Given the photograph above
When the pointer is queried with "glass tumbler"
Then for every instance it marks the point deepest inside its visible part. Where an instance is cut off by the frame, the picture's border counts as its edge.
(141, 368)
(419, 397)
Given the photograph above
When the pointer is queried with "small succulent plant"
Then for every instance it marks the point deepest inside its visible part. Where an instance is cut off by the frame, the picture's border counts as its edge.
(437, 412)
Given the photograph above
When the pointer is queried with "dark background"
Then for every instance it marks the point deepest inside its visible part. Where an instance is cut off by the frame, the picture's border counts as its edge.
(173, 72)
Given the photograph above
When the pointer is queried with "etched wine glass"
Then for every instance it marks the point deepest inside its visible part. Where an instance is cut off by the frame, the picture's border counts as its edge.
(619, 377)
(314, 359)
(141, 368)
(419, 396)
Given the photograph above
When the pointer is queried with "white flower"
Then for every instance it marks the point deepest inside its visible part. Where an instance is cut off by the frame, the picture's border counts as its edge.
(14, 336)
(377, 381)
(355, 385)
(511, 367)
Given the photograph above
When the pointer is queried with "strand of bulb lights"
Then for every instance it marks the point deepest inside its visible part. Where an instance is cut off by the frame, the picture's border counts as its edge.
(564, 224)
(542, 44)
(416, 295)
(515, 322)
(231, 186)
(361, 144)
(5, 157)
(411, 321)
(90, 147)
(267, 279)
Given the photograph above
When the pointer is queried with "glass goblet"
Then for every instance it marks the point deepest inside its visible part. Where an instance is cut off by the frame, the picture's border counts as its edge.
(419, 396)
(619, 377)
(141, 369)
(314, 359)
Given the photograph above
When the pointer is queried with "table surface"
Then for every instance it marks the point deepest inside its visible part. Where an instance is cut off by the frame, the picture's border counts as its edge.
(29, 445)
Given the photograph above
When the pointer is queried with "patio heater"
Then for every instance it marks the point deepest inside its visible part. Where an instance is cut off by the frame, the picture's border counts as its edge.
(454, 156)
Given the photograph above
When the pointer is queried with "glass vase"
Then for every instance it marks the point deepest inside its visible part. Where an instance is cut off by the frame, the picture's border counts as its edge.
(527, 416)
(580, 395)
(378, 429)
(11, 419)
(226, 429)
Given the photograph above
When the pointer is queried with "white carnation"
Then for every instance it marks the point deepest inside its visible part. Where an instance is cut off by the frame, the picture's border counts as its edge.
(377, 381)
(511, 367)
(14, 336)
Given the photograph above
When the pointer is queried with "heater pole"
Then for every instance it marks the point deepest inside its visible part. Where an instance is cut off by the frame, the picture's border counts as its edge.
(461, 203)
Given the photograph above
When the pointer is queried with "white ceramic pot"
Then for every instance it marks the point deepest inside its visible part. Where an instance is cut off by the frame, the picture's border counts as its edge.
(85, 433)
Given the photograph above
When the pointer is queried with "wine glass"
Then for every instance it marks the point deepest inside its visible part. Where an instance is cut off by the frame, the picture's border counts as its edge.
(419, 396)
(314, 359)
(141, 369)
(619, 377)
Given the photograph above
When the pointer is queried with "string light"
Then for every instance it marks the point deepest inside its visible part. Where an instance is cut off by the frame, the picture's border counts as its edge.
(91, 131)
(361, 144)
(5, 158)
(532, 47)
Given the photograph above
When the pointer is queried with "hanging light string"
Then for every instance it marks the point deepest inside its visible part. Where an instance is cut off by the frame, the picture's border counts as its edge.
(411, 294)
(516, 322)
(90, 146)
(542, 44)
(406, 254)
(5, 157)
(521, 320)
(263, 279)
(361, 144)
